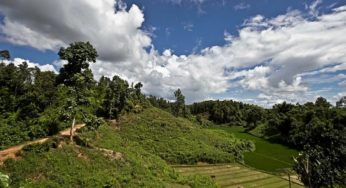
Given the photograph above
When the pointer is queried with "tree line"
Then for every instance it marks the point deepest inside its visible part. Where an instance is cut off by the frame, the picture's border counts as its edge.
(35, 103)
(316, 129)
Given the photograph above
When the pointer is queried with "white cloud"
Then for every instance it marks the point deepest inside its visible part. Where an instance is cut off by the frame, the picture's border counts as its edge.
(192, 1)
(19, 61)
(241, 6)
(342, 83)
(188, 27)
(272, 56)
(48, 25)
(313, 7)
(325, 78)
(337, 97)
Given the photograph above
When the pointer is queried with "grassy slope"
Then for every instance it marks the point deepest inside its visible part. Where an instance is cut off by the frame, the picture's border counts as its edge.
(143, 140)
(179, 141)
(267, 156)
(73, 166)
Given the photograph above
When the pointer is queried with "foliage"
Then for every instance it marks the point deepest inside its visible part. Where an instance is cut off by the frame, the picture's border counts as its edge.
(179, 108)
(93, 122)
(5, 54)
(78, 55)
(138, 166)
(116, 97)
(160, 102)
(119, 98)
(228, 112)
(36, 104)
(40, 148)
(179, 141)
(25, 94)
(319, 131)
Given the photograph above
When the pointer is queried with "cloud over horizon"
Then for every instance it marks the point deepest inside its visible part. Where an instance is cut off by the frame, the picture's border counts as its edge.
(278, 58)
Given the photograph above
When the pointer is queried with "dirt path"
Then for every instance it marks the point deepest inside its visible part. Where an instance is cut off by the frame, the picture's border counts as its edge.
(11, 152)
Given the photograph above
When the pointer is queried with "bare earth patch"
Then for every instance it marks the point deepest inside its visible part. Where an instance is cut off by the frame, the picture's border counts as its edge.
(10, 153)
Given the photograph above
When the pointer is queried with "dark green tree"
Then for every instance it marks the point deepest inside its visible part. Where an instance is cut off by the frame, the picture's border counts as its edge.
(253, 117)
(138, 87)
(116, 97)
(77, 76)
(78, 56)
(322, 102)
(5, 54)
(179, 104)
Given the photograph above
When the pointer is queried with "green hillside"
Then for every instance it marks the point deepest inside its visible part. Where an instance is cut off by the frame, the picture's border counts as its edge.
(136, 152)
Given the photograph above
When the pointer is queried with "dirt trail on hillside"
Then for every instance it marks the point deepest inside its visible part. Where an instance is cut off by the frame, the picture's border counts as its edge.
(11, 151)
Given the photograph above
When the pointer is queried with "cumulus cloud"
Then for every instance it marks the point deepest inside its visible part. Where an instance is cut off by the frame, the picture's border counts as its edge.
(272, 56)
(48, 25)
(19, 61)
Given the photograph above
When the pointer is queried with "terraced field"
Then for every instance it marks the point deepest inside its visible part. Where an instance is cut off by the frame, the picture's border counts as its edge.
(236, 176)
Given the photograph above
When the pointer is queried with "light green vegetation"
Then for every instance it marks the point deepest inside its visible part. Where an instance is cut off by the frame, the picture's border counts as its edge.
(235, 176)
(177, 140)
(133, 153)
(268, 156)
(76, 166)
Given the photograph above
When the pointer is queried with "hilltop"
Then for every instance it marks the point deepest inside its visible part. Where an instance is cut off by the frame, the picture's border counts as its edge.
(136, 151)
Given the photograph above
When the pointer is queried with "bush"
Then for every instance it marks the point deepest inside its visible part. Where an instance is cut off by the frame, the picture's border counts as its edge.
(40, 148)
(93, 122)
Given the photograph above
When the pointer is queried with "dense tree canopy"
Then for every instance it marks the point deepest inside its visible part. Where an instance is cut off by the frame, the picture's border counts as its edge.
(317, 129)
(34, 104)
(78, 56)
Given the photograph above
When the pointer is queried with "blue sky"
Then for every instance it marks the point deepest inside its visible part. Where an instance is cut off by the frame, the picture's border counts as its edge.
(187, 25)
(262, 52)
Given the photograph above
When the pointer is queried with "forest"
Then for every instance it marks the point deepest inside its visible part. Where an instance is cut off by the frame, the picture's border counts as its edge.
(35, 104)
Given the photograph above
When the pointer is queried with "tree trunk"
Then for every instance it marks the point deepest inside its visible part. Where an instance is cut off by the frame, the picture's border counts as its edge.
(72, 127)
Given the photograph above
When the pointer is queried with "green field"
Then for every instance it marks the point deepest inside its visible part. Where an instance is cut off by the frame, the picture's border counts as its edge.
(268, 156)
(235, 175)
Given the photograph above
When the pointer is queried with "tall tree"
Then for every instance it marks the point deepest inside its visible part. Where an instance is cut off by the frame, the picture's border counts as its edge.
(78, 56)
(138, 87)
(253, 117)
(77, 75)
(179, 105)
(116, 97)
